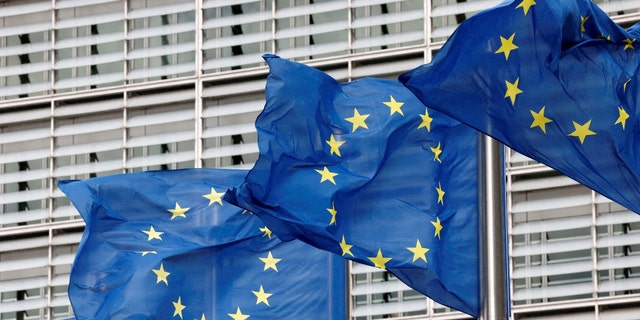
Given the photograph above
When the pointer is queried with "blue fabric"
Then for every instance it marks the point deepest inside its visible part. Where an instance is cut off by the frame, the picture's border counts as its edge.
(212, 251)
(576, 73)
(384, 198)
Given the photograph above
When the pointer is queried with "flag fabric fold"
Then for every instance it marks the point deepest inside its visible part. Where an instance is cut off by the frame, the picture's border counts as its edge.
(556, 80)
(163, 244)
(364, 170)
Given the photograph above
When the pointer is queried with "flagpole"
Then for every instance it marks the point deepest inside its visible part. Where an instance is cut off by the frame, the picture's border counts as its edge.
(493, 296)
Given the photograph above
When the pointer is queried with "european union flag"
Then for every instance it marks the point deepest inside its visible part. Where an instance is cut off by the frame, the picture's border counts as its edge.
(364, 170)
(556, 80)
(164, 245)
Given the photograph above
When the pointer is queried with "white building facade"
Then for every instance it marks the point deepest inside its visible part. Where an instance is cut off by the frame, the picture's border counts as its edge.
(97, 87)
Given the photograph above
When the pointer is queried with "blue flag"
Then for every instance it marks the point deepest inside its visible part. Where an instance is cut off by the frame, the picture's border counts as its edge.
(164, 245)
(556, 80)
(364, 170)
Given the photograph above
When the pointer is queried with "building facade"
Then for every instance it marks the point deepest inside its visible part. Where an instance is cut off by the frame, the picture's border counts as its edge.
(97, 87)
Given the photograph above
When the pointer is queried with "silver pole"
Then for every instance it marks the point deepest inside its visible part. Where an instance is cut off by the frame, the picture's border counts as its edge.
(493, 295)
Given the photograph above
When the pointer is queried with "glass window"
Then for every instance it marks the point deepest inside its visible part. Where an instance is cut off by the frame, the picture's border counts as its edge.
(24, 53)
(235, 36)
(318, 30)
(386, 26)
(162, 44)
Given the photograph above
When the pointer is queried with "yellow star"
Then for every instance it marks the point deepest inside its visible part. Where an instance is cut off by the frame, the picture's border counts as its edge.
(436, 153)
(178, 306)
(333, 213)
(622, 118)
(178, 211)
(270, 262)
(266, 232)
(335, 145)
(238, 315)
(203, 318)
(346, 248)
(394, 105)
(326, 175)
(624, 86)
(379, 261)
(426, 120)
(506, 46)
(262, 296)
(161, 274)
(629, 44)
(582, 21)
(539, 120)
(153, 234)
(525, 5)
(438, 227)
(358, 120)
(418, 252)
(601, 36)
(214, 196)
(582, 131)
(440, 194)
(512, 90)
